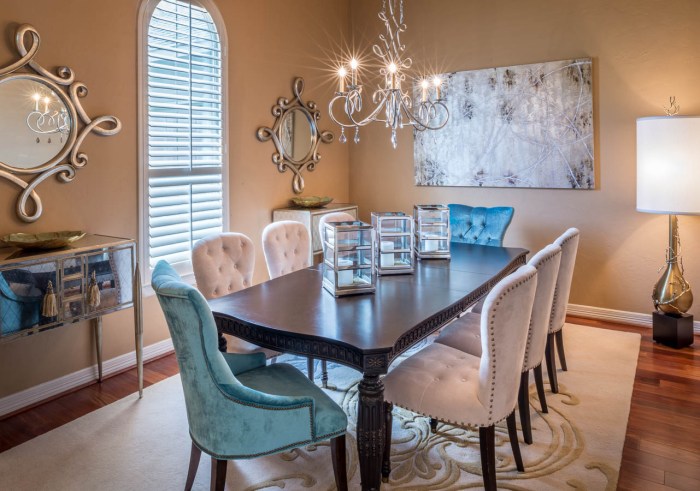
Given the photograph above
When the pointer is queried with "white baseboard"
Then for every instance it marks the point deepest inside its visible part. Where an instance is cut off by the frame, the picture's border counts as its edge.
(41, 392)
(622, 316)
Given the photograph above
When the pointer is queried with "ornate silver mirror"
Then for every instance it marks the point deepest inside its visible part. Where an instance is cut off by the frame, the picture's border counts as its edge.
(42, 124)
(295, 135)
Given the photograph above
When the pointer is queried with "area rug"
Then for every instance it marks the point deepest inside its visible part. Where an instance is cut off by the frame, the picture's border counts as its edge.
(144, 444)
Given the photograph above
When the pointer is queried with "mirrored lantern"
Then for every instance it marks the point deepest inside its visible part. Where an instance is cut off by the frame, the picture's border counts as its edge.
(348, 256)
(432, 228)
(394, 243)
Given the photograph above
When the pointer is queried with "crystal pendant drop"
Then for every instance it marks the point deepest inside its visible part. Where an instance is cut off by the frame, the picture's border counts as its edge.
(357, 135)
(342, 138)
(393, 138)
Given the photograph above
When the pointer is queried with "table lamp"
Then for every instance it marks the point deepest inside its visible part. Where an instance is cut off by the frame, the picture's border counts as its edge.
(668, 182)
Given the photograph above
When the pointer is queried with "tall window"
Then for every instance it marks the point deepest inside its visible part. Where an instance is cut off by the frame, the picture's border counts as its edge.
(184, 146)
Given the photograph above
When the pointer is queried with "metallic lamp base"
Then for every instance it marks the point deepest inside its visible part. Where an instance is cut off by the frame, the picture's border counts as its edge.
(672, 330)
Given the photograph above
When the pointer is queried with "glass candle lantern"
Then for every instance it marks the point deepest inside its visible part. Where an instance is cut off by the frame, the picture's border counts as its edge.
(432, 230)
(394, 243)
(348, 256)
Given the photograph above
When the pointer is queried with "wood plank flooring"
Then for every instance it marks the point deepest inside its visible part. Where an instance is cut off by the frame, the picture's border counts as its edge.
(662, 445)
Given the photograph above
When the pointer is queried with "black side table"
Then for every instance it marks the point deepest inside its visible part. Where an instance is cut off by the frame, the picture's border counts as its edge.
(674, 331)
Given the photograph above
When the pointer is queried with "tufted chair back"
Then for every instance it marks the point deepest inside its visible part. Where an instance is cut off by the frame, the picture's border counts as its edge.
(336, 216)
(568, 242)
(477, 225)
(286, 246)
(223, 263)
(546, 262)
(504, 328)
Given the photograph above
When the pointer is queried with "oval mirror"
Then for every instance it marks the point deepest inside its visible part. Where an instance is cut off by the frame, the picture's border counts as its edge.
(35, 125)
(297, 134)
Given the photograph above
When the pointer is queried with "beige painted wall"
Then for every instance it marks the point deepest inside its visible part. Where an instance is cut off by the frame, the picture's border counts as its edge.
(643, 52)
(270, 42)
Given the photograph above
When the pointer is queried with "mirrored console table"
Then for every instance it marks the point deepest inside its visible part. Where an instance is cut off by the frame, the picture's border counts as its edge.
(46, 289)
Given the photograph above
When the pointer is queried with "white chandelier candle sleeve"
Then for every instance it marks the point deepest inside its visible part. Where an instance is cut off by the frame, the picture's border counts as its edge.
(395, 243)
(432, 231)
(348, 258)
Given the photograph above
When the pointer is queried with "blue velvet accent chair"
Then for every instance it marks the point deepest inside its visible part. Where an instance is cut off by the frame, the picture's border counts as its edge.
(478, 225)
(237, 406)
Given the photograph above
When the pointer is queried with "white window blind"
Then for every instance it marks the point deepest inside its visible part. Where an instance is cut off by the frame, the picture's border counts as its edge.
(184, 149)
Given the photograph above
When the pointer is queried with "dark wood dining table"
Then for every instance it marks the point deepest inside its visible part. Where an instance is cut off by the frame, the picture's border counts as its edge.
(295, 314)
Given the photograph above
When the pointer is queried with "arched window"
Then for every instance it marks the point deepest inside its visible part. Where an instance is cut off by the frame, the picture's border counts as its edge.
(184, 164)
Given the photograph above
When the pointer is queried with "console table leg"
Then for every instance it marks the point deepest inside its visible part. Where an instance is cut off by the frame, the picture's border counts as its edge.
(97, 328)
(370, 431)
(138, 327)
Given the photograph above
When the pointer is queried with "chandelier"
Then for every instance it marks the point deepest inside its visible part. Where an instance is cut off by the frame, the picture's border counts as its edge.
(392, 106)
(48, 121)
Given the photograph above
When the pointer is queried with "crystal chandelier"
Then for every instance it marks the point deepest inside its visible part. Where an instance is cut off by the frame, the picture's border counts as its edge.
(393, 107)
(49, 120)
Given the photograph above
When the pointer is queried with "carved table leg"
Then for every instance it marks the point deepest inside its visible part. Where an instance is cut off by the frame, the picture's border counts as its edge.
(370, 431)
(97, 328)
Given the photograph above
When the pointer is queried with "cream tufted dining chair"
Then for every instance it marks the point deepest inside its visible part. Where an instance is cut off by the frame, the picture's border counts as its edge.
(568, 241)
(465, 334)
(286, 245)
(336, 216)
(223, 263)
(466, 390)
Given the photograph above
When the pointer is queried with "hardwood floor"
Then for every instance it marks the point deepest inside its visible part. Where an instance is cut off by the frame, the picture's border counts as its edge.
(662, 445)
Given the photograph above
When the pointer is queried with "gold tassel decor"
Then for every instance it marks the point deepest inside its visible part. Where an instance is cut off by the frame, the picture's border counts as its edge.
(93, 292)
(48, 306)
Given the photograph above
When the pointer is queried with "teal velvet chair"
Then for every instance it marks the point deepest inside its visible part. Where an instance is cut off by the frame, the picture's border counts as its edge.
(478, 225)
(18, 311)
(237, 406)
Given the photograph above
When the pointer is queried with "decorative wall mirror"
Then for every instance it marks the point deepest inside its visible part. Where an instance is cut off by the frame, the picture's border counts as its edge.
(42, 124)
(295, 135)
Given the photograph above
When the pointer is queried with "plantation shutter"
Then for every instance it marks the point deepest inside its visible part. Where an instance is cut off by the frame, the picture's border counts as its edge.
(185, 158)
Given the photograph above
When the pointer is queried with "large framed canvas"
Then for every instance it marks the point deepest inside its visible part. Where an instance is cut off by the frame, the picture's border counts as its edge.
(521, 126)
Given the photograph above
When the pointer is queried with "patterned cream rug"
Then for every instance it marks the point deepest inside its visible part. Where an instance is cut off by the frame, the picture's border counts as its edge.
(144, 445)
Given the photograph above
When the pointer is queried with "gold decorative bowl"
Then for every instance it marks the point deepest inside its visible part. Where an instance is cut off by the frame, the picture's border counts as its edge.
(47, 240)
(311, 201)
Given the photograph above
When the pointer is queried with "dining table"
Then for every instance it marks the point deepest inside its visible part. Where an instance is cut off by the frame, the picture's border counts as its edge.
(295, 314)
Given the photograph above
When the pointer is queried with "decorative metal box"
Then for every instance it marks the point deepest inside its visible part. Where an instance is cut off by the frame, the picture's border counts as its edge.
(348, 258)
(395, 243)
(432, 224)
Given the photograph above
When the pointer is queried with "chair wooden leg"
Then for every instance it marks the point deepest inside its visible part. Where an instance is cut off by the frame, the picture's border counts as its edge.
(560, 348)
(514, 445)
(539, 382)
(324, 376)
(195, 455)
(549, 356)
(338, 457)
(524, 406)
(310, 368)
(218, 474)
(487, 444)
(386, 459)
(433, 425)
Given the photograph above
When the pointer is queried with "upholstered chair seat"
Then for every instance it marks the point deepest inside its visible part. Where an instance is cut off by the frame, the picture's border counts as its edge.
(450, 385)
(237, 406)
(478, 225)
(224, 263)
(465, 333)
(287, 248)
(568, 241)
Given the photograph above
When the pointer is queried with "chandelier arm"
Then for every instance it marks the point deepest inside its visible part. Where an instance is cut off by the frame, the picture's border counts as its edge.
(363, 122)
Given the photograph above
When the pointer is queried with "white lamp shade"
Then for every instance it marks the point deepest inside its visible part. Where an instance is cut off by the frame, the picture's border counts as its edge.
(668, 165)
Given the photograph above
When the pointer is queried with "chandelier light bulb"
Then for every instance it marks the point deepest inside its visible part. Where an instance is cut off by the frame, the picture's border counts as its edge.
(36, 96)
(342, 72)
(392, 67)
(437, 82)
(354, 64)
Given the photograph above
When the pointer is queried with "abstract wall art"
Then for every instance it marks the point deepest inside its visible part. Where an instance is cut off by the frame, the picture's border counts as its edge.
(521, 126)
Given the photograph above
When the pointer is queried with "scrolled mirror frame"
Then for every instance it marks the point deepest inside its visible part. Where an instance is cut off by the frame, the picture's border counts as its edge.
(280, 158)
(70, 158)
